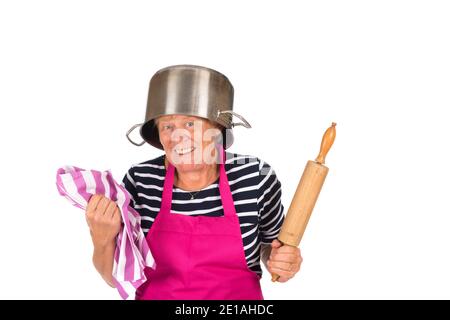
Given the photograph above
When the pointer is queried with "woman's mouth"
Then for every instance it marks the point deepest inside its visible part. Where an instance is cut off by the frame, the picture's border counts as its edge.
(183, 151)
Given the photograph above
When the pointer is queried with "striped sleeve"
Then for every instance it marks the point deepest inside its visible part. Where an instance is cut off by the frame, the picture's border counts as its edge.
(269, 203)
(129, 183)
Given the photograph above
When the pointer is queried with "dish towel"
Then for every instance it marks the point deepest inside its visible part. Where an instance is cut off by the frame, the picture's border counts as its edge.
(132, 253)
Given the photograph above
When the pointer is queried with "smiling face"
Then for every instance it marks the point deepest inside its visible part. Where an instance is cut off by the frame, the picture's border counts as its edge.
(188, 141)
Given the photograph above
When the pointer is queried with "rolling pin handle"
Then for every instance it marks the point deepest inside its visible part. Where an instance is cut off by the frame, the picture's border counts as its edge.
(275, 277)
(327, 142)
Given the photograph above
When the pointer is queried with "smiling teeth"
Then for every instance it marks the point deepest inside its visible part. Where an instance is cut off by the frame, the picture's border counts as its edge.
(184, 151)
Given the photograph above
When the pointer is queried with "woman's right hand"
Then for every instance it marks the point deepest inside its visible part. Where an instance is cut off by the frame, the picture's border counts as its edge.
(104, 220)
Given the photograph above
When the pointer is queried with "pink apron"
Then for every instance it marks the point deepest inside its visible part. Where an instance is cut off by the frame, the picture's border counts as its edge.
(198, 257)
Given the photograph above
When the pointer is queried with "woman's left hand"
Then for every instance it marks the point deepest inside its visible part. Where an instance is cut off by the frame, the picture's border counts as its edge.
(284, 261)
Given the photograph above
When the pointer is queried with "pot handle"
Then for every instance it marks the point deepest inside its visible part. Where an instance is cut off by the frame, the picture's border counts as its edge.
(131, 130)
(244, 122)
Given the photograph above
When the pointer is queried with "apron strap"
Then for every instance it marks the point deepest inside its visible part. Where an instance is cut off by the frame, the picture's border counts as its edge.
(224, 187)
(166, 200)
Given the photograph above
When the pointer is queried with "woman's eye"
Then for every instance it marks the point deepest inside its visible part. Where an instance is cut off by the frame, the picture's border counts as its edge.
(166, 127)
(190, 124)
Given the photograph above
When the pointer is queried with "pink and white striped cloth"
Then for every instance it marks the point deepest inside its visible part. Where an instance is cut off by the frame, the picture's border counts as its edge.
(132, 253)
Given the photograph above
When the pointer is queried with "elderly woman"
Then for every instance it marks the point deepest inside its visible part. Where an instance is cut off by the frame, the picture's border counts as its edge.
(209, 216)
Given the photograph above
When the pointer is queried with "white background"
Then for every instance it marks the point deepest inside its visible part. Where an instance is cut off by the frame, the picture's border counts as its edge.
(74, 77)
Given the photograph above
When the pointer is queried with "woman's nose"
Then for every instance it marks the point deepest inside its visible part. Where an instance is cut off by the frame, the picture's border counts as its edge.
(185, 137)
(181, 135)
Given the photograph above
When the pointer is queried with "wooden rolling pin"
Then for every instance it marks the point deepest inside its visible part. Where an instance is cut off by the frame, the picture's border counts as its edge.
(306, 195)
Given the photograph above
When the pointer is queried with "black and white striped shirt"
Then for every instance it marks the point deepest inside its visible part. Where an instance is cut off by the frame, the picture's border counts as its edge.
(254, 186)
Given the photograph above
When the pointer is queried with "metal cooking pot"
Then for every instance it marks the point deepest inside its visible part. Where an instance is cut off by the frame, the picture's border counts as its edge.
(189, 90)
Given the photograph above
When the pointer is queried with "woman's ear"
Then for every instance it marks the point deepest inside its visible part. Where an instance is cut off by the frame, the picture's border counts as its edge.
(217, 134)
